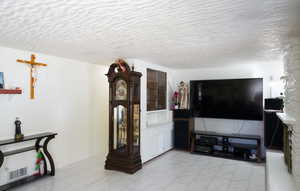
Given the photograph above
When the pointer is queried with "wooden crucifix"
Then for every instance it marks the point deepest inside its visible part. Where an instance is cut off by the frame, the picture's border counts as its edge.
(33, 72)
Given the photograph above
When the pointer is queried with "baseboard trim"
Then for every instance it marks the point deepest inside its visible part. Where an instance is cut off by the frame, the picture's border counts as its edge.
(158, 156)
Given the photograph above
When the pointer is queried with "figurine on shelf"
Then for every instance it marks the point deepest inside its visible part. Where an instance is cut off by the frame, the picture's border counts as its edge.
(18, 135)
(183, 91)
(121, 63)
(39, 164)
(175, 100)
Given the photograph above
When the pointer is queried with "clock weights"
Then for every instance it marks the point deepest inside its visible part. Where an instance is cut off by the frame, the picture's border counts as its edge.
(124, 118)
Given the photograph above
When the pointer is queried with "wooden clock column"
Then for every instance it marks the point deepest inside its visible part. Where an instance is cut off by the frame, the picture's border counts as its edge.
(124, 118)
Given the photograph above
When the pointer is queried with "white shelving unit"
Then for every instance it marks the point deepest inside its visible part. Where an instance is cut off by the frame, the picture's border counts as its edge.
(158, 118)
(158, 135)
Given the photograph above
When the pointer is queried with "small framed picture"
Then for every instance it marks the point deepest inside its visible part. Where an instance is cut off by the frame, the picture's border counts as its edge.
(1, 80)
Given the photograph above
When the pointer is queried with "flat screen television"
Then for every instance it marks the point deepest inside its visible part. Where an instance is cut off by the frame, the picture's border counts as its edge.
(227, 99)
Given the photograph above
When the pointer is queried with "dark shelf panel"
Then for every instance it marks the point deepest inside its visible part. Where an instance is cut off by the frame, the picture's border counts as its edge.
(234, 145)
(10, 91)
(228, 135)
(243, 146)
(22, 181)
(26, 138)
(22, 150)
(220, 154)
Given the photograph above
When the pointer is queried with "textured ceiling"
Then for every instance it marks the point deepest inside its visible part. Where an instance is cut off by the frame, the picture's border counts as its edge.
(174, 33)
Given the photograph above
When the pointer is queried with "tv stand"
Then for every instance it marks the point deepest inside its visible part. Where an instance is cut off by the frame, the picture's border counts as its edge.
(207, 142)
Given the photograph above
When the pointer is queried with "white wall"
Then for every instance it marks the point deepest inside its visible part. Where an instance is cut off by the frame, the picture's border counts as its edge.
(266, 71)
(292, 100)
(100, 110)
(71, 100)
(156, 126)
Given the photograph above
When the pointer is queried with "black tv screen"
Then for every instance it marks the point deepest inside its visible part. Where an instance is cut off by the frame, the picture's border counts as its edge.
(227, 99)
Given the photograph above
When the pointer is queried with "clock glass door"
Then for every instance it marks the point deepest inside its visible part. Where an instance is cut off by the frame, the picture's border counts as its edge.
(120, 128)
(136, 127)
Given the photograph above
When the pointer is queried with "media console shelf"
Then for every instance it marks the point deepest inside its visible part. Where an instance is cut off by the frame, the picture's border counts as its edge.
(211, 140)
(45, 156)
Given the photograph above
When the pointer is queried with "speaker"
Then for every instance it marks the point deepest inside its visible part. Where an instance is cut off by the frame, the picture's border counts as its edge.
(273, 130)
(274, 104)
(181, 134)
(183, 127)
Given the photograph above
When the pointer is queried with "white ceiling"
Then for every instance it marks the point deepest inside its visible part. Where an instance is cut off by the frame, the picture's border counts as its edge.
(174, 33)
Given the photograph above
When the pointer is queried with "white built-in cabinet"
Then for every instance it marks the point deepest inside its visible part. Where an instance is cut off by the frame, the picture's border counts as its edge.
(157, 137)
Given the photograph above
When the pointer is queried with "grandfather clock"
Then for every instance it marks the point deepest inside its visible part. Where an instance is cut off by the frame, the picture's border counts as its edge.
(124, 118)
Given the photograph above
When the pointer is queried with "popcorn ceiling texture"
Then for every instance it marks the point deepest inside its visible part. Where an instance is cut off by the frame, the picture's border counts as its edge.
(174, 33)
(292, 101)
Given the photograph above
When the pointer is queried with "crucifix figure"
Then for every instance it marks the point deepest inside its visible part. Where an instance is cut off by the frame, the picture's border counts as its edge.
(33, 72)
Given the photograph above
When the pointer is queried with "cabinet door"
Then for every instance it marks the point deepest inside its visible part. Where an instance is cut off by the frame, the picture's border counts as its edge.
(168, 139)
(160, 146)
(181, 134)
(146, 145)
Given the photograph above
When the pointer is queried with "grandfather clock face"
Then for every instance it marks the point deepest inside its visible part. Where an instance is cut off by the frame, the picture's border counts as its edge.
(121, 90)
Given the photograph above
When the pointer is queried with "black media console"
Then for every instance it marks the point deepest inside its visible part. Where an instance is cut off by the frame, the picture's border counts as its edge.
(225, 146)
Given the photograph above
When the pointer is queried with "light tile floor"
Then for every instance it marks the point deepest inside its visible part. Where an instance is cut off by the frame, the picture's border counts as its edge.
(174, 171)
